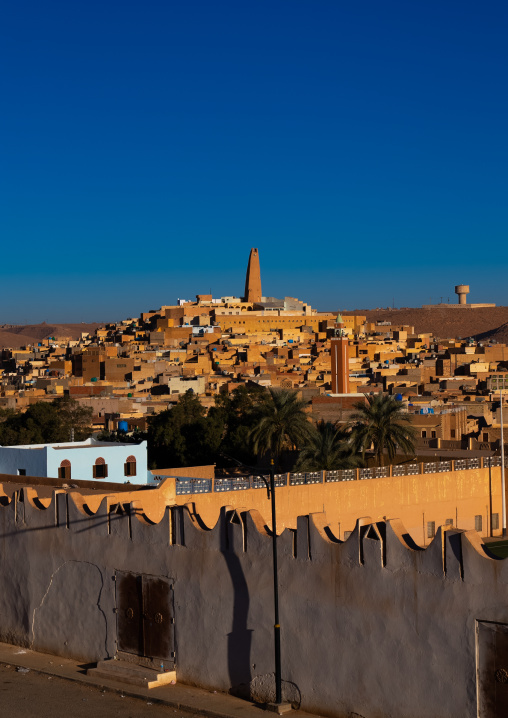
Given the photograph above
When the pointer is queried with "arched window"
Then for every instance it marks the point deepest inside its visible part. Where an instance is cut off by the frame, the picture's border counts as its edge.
(100, 470)
(64, 471)
(130, 466)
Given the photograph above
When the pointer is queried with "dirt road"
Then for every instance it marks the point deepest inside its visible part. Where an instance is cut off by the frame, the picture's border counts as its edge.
(34, 695)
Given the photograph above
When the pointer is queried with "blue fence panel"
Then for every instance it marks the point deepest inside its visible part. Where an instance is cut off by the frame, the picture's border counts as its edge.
(193, 486)
(258, 483)
(280, 479)
(340, 475)
(314, 477)
(236, 483)
(183, 486)
(296, 479)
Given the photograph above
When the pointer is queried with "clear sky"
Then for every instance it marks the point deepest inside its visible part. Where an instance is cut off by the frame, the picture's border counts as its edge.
(146, 146)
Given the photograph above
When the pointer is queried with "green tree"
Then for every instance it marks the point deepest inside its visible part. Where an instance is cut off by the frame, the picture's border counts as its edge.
(327, 449)
(122, 437)
(239, 413)
(47, 422)
(73, 416)
(383, 424)
(281, 423)
(184, 435)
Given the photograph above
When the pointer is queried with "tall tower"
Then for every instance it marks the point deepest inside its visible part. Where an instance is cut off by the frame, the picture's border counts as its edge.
(340, 359)
(462, 290)
(253, 278)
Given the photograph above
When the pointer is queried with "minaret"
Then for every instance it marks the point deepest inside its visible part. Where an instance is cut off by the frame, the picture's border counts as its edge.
(340, 359)
(253, 278)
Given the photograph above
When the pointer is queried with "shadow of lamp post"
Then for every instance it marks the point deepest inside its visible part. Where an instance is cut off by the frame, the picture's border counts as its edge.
(278, 706)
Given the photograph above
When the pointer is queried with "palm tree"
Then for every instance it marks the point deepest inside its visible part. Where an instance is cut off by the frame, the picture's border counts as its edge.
(383, 423)
(327, 449)
(281, 423)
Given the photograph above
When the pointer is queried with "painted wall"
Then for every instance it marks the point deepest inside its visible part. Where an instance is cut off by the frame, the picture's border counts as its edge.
(372, 626)
(45, 460)
(33, 461)
(83, 459)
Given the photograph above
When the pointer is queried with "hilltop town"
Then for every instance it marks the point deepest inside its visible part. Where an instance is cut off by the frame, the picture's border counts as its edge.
(133, 369)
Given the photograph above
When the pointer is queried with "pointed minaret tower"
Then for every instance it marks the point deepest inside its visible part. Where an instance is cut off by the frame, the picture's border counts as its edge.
(253, 278)
(340, 359)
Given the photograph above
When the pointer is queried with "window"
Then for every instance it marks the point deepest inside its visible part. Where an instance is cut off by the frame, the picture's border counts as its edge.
(433, 434)
(431, 529)
(485, 436)
(130, 466)
(100, 469)
(495, 521)
(424, 434)
(452, 433)
(64, 471)
(478, 522)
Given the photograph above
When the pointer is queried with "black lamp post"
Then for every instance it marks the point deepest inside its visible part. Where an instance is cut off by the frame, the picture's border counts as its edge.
(270, 487)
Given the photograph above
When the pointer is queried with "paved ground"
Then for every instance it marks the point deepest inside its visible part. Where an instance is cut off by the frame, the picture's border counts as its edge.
(35, 695)
(54, 687)
(498, 546)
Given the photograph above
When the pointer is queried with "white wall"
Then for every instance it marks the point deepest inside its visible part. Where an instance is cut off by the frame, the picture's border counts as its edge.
(45, 460)
(83, 459)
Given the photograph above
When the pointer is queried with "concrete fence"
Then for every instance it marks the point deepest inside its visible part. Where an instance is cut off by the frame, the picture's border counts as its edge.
(189, 485)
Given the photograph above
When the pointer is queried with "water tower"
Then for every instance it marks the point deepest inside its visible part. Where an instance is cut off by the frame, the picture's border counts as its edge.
(462, 290)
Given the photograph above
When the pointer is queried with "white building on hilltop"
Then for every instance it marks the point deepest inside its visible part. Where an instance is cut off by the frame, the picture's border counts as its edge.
(89, 460)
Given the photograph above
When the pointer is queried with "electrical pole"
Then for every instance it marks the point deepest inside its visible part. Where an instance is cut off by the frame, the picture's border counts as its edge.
(503, 485)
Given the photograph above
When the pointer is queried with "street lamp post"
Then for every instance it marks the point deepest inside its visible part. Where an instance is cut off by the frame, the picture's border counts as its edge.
(503, 485)
(270, 487)
(276, 627)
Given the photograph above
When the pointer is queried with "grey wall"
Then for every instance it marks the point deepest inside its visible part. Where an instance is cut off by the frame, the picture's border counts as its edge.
(373, 626)
(33, 461)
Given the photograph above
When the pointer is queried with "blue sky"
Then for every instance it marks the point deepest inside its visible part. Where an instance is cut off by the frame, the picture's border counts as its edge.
(146, 147)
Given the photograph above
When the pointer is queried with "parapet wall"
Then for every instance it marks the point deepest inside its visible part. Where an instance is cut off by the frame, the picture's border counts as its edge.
(456, 306)
(466, 495)
(373, 626)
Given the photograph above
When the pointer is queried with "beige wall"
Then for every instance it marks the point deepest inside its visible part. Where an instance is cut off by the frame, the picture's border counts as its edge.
(416, 500)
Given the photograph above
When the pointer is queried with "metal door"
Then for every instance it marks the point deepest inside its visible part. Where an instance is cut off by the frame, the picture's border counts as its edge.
(492, 669)
(145, 623)
(157, 617)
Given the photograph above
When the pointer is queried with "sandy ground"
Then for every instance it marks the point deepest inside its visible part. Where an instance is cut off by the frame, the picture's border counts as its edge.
(34, 695)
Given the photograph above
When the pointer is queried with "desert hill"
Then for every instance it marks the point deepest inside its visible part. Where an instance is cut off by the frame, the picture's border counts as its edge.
(499, 335)
(445, 322)
(484, 324)
(14, 337)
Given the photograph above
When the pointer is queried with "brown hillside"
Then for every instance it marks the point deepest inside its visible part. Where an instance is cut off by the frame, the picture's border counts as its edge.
(444, 322)
(499, 335)
(13, 337)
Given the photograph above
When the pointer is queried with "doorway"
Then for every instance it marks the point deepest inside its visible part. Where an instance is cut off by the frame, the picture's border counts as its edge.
(492, 669)
(145, 618)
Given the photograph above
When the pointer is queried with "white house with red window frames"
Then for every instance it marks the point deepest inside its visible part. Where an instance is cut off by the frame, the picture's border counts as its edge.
(89, 460)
